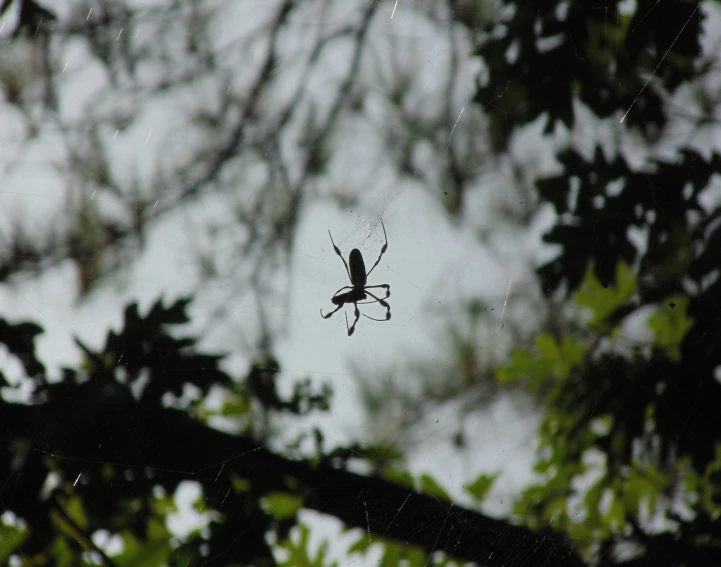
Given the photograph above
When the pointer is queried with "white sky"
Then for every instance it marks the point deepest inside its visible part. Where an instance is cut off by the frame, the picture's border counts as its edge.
(432, 264)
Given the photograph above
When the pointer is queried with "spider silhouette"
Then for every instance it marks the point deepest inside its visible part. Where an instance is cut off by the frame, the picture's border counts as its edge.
(359, 290)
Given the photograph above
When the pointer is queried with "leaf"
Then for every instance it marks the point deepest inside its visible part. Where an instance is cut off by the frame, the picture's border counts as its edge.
(554, 361)
(157, 531)
(592, 500)
(521, 365)
(20, 341)
(480, 487)
(234, 405)
(298, 553)
(11, 537)
(163, 505)
(392, 556)
(76, 511)
(282, 505)
(616, 514)
(361, 545)
(602, 301)
(240, 484)
(399, 476)
(432, 488)
(547, 348)
(153, 554)
(573, 354)
(669, 324)
(644, 486)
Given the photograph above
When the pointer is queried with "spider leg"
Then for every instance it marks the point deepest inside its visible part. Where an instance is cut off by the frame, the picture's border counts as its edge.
(331, 313)
(374, 319)
(388, 289)
(337, 251)
(383, 250)
(357, 316)
(343, 302)
(384, 304)
(377, 300)
(341, 289)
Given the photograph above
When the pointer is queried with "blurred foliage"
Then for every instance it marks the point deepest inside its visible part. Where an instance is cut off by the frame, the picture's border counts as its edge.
(396, 553)
(542, 57)
(480, 487)
(105, 449)
(298, 553)
(603, 300)
(89, 434)
(607, 462)
(594, 228)
(670, 324)
(629, 459)
(627, 436)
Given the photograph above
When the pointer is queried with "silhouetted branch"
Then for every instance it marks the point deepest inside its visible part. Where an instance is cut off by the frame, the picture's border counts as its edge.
(84, 539)
(172, 444)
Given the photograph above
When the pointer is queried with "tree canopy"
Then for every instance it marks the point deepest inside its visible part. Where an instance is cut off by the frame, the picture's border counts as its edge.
(629, 448)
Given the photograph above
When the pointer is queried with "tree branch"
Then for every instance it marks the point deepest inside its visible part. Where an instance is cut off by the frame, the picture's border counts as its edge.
(117, 429)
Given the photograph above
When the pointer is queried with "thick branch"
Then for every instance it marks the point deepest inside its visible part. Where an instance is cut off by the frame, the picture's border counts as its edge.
(112, 427)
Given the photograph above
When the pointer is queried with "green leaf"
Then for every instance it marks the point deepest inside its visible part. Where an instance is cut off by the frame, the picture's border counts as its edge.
(399, 476)
(60, 549)
(416, 557)
(234, 405)
(361, 545)
(392, 555)
(396, 553)
(616, 514)
(298, 553)
(521, 365)
(554, 361)
(76, 511)
(432, 488)
(547, 348)
(592, 500)
(240, 484)
(670, 325)
(157, 531)
(11, 537)
(163, 505)
(282, 505)
(644, 486)
(602, 301)
(480, 487)
(153, 554)
(708, 485)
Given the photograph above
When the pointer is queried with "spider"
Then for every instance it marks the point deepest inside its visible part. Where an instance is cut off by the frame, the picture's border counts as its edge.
(359, 290)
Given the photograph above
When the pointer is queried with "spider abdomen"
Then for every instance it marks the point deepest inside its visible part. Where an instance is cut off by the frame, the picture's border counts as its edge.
(357, 268)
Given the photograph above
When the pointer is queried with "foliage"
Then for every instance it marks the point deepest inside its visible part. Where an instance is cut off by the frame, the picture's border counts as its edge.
(670, 324)
(100, 451)
(111, 408)
(298, 552)
(480, 487)
(627, 436)
(603, 456)
(630, 444)
(604, 300)
(602, 61)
